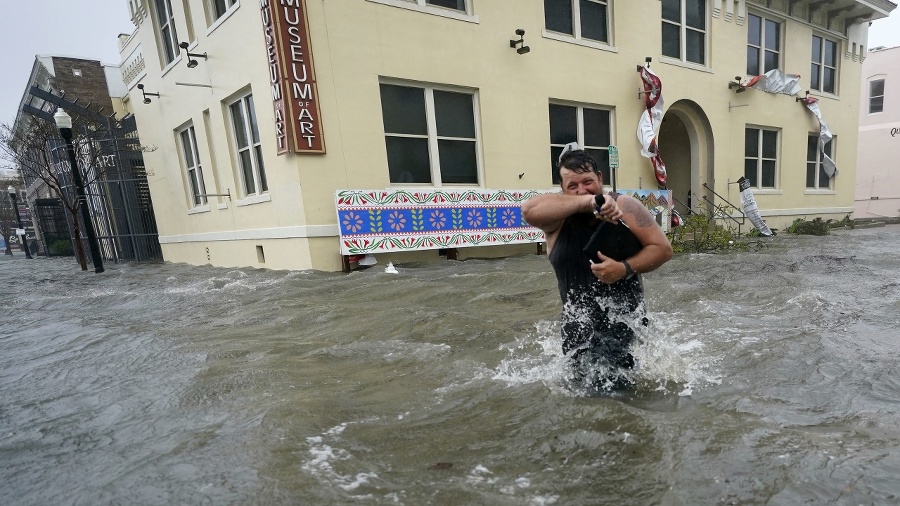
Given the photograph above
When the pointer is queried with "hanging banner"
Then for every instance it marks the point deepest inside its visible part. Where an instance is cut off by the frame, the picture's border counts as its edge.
(295, 98)
(650, 120)
(775, 81)
(750, 209)
(825, 136)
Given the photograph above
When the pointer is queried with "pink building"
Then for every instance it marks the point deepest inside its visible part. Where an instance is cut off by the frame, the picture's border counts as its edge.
(878, 153)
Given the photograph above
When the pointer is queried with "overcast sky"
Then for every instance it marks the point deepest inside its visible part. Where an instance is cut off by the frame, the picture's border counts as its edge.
(90, 28)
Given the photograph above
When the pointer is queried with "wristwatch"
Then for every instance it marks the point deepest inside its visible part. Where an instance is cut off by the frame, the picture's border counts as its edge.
(629, 272)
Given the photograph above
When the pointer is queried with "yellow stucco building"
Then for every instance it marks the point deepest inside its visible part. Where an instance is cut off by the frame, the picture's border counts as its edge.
(254, 114)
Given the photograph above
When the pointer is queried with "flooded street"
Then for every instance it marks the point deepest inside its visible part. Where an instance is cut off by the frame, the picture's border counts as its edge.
(765, 377)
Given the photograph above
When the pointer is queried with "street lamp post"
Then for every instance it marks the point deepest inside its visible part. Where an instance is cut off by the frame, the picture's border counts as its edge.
(64, 123)
(24, 237)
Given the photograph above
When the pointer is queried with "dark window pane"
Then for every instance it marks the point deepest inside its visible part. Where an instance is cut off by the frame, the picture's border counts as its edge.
(771, 61)
(695, 14)
(459, 5)
(753, 61)
(186, 146)
(876, 104)
(408, 160)
(773, 35)
(814, 76)
(593, 21)
(671, 10)
(596, 127)
(754, 29)
(827, 147)
(247, 170)
(554, 169)
(750, 172)
(751, 142)
(768, 174)
(403, 110)
(811, 174)
(458, 163)
(812, 147)
(251, 111)
(601, 156)
(220, 8)
(824, 180)
(558, 16)
(830, 53)
(695, 46)
(240, 129)
(828, 81)
(454, 114)
(876, 88)
(262, 170)
(817, 49)
(770, 144)
(563, 124)
(671, 40)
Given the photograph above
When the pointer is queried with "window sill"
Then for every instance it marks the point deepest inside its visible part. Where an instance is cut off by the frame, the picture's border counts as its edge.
(818, 191)
(171, 65)
(685, 64)
(767, 191)
(199, 209)
(570, 39)
(823, 94)
(428, 9)
(252, 199)
(217, 23)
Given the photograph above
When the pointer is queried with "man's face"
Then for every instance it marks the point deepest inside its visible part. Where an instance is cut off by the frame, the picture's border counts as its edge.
(580, 183)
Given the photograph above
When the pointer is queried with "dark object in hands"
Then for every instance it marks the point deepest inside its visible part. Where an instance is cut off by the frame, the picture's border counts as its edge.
(614, 240)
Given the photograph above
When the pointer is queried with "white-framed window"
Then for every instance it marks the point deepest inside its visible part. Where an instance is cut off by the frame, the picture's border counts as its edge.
(431, 134)
(456, 5)
(455, 9)
(218, 8)
(816, 177)
(763, 45)
(192, 165)
(168, 40)
(590, 126)
(582, 19)
(247, 145)
(684, 30)
(876, 96)
(823, 74)
(761, 156)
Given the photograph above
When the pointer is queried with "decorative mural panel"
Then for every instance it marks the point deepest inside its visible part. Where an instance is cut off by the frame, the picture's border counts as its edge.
(378, 221)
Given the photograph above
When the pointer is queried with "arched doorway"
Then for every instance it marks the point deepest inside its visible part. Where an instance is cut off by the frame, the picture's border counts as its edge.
(686, 146)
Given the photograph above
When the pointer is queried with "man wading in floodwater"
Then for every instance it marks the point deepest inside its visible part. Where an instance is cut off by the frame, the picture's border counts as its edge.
(598, 263)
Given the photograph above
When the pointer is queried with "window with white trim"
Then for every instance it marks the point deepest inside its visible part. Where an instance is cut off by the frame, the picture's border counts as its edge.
(168, 40)
(582, 19)
(763, 45)
(247, 145)
(193, 167)
(816, 177)
(823, 74)
(761, 157)
(457, 5)
(876, 96)
(591, 127)
(218, 8)
(431, 135)
(684, 30)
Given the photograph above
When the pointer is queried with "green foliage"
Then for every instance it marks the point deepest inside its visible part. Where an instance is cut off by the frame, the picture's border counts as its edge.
(846, 222)
(701, 234)
(61, 247)
(817, 226)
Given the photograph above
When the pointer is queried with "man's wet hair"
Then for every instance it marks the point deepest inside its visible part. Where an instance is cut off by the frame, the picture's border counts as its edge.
(579, 161)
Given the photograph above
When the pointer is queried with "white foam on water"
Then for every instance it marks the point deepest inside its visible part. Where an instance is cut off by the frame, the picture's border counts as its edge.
(674, 359)
(323, 455)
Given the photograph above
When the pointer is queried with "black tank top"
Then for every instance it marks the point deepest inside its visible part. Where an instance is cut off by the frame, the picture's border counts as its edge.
(581, 292)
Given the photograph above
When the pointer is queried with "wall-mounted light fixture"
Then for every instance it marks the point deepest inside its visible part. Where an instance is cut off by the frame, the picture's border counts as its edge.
(513, 43)
(737, 84)
(191, 62)
(147, 95)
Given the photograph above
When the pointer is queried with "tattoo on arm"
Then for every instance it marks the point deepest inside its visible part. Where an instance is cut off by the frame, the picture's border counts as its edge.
(639, 212)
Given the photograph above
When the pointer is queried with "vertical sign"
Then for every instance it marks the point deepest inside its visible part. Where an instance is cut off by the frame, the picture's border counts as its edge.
(613, 164)
(292, 79)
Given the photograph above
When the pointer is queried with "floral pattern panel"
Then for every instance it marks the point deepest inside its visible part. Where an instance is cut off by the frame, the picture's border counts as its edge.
(378, 221)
